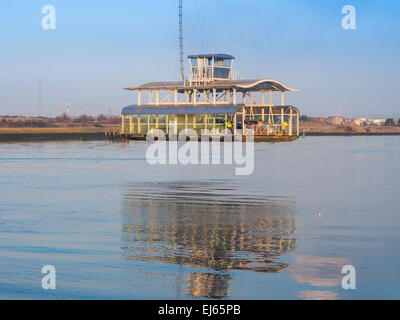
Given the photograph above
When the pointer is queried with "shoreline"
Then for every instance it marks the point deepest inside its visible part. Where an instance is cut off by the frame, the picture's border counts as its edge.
(76, 135)
(319, 134)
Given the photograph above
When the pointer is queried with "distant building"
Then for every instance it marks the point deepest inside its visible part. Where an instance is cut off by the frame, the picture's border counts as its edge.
(359, 121)
(376, 122)
(392, 122)
(356, 121)
(336, 120)
(317, 119)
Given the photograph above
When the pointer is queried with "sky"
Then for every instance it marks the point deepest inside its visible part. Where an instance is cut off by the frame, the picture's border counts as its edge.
(98, 47)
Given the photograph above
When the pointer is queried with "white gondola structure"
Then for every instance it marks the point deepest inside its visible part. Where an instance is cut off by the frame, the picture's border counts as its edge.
(213, 99)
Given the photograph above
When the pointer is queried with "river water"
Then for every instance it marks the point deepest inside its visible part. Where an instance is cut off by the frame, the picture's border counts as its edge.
(115, 227)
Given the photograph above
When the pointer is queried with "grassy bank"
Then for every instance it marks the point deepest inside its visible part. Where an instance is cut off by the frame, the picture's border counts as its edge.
(314, 128)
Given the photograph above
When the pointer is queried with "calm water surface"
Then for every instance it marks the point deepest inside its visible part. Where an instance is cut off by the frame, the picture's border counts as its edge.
(115, 227)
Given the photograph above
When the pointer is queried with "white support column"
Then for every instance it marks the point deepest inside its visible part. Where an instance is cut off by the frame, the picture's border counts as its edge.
(234, 96)
(270, 97)
(176, 125)
(157, 97)
(290, 122)
(175, 96)
(139, 95)
(194, 96)
(243, 119)
(214, 94)
(263, 97)
(282, 98)
(244, 97)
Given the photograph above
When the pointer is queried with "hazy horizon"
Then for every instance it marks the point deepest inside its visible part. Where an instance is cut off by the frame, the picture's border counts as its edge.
(98, 48)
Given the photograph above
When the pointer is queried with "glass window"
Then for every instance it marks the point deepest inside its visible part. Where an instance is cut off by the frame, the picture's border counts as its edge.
(190, 119)
(220, 119)
(153, 118)
(161, 118)
(199, 119)
(227, 62)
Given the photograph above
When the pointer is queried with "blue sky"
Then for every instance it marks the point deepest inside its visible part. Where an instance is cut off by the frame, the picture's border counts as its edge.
(98, 47)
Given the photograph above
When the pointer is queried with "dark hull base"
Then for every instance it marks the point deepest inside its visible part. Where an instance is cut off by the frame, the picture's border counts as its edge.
(257, 138)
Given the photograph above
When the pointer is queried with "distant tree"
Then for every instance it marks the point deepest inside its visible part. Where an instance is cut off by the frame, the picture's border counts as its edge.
(304, 118)
(63, 117)
(101, 117)
(114, 120)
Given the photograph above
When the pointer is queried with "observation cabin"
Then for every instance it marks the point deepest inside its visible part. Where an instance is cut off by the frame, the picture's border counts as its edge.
(212, 98)
(210, 67)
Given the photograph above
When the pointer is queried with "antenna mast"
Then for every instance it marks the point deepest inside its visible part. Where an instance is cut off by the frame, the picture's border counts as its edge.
(181, 70)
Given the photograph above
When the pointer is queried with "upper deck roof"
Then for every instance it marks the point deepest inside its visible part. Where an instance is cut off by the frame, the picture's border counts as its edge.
(244, 85)
(212, 55)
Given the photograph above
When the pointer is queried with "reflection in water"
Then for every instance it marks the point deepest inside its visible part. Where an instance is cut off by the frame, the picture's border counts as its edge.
(318, 271)
(208, 225)
(318, 295)
(210, 285)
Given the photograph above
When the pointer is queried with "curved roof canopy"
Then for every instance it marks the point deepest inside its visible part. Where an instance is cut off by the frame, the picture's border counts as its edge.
(212, 55)
(244, 85)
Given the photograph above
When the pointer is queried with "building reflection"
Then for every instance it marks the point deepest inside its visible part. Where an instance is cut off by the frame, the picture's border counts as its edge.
(209, 225)
(210, 285)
